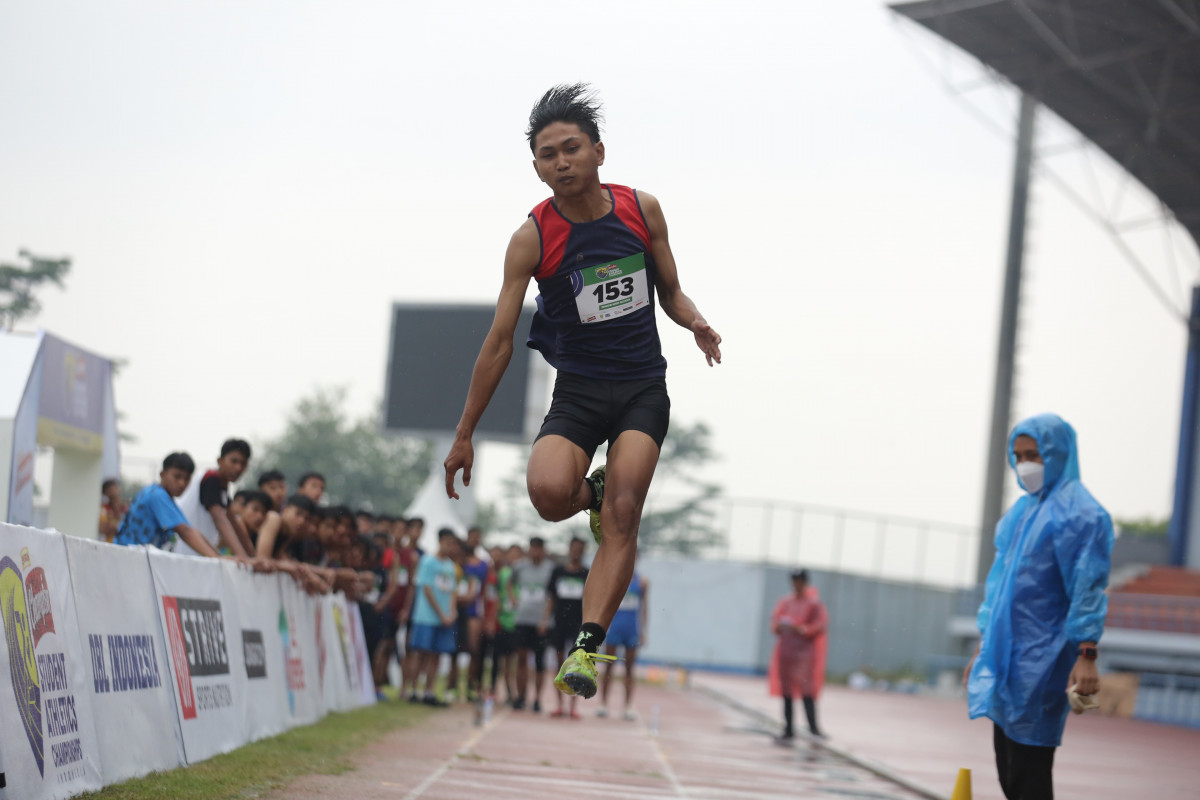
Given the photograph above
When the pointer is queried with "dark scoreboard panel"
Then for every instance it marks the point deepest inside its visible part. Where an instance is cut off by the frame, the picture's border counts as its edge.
(431, 353)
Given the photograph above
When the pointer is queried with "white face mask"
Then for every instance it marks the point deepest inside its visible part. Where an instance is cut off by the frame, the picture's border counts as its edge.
(1032, 475)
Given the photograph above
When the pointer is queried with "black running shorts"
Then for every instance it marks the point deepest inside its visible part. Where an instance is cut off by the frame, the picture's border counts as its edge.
(505, 643)
(528, 638)
(588, 411)
(562, 637)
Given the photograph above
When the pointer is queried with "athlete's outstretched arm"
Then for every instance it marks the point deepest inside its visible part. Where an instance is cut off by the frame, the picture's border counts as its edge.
(524, 250)
(677, 305)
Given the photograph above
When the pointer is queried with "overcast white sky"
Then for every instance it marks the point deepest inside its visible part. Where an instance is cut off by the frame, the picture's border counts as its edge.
(245, 188)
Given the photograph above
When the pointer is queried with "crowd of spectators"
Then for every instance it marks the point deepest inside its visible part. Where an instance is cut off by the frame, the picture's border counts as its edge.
(492, 611)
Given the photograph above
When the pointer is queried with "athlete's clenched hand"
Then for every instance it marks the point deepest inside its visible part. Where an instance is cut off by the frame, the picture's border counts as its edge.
(462, 456)
(708, 340)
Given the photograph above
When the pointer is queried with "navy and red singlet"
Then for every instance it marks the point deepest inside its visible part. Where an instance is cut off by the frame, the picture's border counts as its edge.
(595, 311)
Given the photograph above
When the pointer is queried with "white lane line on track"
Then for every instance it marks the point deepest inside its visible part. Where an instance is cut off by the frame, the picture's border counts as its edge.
(436, 775)
(580, 787)
(672, 778)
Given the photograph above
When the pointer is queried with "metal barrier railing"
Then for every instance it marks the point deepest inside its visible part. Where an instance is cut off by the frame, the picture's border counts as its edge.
(844, 540)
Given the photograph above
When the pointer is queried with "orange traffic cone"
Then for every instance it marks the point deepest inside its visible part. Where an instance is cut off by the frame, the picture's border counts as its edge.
(962, 786)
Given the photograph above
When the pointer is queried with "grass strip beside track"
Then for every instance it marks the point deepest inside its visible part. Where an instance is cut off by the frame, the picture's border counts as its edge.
(255, 769)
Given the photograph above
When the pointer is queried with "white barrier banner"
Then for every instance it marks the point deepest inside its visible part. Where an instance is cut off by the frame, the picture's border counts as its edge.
(297, 628)
(341, 665)
(330, 664)
(366, 676)
(129, 681)
(203, 639)
(258, 602)
(47, 737)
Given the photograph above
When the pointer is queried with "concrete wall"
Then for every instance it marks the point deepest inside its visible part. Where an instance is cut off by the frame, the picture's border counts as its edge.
(707, 613)
(716, 614)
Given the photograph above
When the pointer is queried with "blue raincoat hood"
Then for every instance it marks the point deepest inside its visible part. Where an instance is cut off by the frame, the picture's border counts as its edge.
(1056, 445)
(1044, 593)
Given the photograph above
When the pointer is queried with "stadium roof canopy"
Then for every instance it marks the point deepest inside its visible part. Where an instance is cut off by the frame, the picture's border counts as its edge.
(1125, 73)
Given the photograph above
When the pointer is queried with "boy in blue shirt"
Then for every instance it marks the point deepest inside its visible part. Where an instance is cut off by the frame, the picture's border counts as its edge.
(154, 518)
(434, 613)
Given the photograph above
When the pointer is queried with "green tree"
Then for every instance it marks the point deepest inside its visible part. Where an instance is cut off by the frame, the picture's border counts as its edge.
(19, 281)
(683, 522)
(362, 465)
(679, 516)
(1146, 526)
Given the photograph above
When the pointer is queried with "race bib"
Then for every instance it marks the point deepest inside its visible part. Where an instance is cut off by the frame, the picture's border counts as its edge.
(402, 578)
(570, 589)
(444, 583)
(630, 602)
(533, 593)
(611, 290)
(464, 589)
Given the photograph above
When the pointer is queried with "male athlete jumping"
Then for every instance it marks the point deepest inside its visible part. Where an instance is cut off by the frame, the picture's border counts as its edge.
(600, 255)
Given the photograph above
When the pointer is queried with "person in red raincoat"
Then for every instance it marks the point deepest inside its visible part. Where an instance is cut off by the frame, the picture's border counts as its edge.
(798, 664)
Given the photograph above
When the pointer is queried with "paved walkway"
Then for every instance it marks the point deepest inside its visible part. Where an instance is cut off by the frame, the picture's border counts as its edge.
(927, 739)
(714, 742)
(685, 744)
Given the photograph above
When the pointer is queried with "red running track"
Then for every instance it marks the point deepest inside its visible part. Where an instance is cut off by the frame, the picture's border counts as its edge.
(702, 749)
(927, 739)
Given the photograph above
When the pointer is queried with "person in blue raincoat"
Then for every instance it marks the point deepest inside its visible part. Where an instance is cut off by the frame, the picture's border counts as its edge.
(1043, 609)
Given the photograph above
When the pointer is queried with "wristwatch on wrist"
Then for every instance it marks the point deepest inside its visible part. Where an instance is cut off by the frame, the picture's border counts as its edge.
(1088, 652)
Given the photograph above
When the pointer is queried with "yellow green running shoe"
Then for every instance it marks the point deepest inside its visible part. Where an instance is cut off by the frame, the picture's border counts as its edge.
(577, 675)
(596, 479)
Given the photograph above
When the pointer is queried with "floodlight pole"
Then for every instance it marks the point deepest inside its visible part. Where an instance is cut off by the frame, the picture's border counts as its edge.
(997, 463)
(1183, 531)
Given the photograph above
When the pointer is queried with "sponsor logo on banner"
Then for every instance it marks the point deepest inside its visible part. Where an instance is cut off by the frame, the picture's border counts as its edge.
(24, 473)
(187, 700)
(41, 617)
(40, 681)
(77, 395)
(360, 650)
(131, 666)
(340, 621)
(255, 654)
(21, 660)
(292, 659)
(321, 654)
(196, 638)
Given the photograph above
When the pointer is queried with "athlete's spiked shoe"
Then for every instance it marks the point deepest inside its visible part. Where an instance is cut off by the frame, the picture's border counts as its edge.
(577, 675)
(596, 479)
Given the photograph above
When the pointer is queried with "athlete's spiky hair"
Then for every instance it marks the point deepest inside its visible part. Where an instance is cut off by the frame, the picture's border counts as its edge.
(575, 102)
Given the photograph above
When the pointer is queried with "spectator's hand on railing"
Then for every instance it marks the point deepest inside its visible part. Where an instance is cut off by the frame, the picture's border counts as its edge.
(366, 581)
(312, 582)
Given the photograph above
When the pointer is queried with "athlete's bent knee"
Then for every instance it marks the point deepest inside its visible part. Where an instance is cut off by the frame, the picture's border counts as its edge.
(552, 500)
